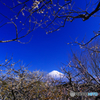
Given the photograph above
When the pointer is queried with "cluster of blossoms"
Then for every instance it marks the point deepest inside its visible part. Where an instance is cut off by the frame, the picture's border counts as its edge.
(35, 4)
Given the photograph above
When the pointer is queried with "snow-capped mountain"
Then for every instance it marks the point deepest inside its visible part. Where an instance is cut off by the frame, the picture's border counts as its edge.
(56, 74)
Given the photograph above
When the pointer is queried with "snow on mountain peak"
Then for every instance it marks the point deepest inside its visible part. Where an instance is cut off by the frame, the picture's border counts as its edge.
(56, 74)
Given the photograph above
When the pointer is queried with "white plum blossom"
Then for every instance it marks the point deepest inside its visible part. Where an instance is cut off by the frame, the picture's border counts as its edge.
(35, 4)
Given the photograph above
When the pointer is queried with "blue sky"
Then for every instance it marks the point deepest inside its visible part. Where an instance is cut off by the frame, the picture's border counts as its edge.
(45, 52)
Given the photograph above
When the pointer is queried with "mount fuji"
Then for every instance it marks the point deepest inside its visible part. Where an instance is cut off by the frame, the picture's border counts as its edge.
(56, 75)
